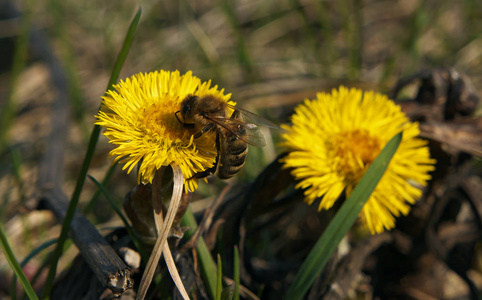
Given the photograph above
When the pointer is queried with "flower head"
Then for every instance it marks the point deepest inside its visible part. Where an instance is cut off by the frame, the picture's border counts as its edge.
(139, 118)
(335, 138)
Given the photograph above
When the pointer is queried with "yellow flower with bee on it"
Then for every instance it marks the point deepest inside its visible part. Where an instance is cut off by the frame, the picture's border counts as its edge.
(334, 139)
(139, 117)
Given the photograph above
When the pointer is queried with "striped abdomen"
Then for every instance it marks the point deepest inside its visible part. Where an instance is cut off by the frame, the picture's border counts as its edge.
(233, 152)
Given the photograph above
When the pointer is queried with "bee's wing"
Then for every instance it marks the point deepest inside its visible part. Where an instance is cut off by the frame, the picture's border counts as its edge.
(253, 135)
(247, 132)
(249, 117)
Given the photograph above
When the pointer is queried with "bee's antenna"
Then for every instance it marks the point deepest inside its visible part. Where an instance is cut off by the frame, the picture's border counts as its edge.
(178, 117)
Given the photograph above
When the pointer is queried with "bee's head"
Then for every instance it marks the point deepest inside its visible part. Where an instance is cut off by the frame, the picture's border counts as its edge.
(202, 106)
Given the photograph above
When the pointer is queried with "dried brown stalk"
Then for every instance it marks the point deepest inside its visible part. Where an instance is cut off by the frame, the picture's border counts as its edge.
(163, 231)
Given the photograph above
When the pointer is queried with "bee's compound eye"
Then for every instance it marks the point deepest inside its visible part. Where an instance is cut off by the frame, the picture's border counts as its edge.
(186, 108)
(188, 104)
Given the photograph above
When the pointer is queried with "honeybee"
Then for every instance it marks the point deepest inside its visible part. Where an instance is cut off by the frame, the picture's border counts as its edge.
(207, 114)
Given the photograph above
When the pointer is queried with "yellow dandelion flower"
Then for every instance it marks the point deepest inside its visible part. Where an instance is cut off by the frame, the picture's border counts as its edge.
(139, 118)
(335, 138)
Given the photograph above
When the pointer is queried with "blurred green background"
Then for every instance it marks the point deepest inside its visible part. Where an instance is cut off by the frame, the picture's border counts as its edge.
(269, 54)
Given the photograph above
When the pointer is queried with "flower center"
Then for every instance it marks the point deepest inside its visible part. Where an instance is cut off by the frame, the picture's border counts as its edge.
(159, 120)
(355, 150)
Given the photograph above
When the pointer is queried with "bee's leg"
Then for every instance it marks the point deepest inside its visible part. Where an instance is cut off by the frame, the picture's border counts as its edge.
(207, 128)
(211, 170)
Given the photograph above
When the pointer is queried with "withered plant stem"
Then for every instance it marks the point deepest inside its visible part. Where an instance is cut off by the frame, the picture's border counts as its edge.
(163, 229)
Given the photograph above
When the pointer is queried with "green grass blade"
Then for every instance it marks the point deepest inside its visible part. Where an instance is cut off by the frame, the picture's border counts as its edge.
(37, 250)
(130, 231)
(250, 72)
(236, 278)
(68, 57)
(341, 223)
(12, 261)
(310, 35)
(111, 202)
(351, 19)
(98, 192)
(13, 285)
(329, 54)
(208, 268)
(88, 157)
(8, 109)
(38, 275)
(121, 58)
(219, 279)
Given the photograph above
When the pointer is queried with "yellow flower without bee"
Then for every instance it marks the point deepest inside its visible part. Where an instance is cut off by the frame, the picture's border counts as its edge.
(139, 118)
(334, 139)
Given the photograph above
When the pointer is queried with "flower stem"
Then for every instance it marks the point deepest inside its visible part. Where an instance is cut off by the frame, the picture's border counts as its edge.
(163, 229)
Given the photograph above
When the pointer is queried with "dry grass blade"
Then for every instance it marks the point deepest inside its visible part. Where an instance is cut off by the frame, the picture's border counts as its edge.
(163, 230)
(158, 218)
(171, 266)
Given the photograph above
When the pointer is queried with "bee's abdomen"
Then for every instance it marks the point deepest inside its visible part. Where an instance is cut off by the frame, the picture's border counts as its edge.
(233, 156)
